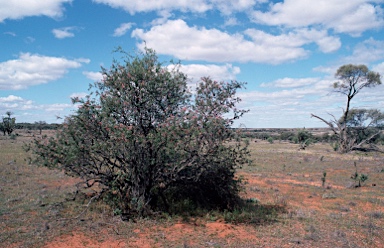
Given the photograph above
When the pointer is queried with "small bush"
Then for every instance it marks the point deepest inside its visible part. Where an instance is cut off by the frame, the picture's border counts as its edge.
(324, 178)
(335, 146)
(359, 178)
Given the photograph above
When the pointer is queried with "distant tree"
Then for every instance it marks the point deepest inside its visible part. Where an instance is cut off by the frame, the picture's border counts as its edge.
(8, 124)
(352, 79)
(2, 128)
(304, 138)
(287, 135)
(40, 125)
(149, 143)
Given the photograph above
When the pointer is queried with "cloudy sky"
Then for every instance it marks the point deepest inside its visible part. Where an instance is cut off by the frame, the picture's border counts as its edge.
(287, 51)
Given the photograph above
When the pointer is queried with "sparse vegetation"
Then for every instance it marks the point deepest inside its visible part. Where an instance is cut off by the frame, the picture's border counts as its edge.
(180, 163)
(282, 208)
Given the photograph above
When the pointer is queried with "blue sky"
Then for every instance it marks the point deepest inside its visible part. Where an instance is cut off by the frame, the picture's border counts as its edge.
(287, 51)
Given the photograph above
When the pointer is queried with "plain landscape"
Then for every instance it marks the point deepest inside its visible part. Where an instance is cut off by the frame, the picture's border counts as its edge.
(298, 205)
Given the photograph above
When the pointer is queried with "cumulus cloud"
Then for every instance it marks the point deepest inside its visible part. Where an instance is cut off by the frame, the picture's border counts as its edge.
(33, 69)
(66, 32)
(226, 7)
(95, 76)
(379, 68)
(353, 17)
(21, 9)
(10, 98)
(122, 29)
(12, 103)
(164, 15)
(232, 21)
(135, 6)
(297, 38)
(361, 18)
(194, 43)
(369, 50)
(216, 72)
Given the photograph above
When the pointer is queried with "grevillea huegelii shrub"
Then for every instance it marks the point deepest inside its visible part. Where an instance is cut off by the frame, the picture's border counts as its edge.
(149, 142)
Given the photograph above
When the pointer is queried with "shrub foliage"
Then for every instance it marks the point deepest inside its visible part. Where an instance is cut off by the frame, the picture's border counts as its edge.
(8, 123)
(150, 143)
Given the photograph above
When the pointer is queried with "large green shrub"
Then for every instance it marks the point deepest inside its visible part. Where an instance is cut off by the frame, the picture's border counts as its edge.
(150, 143)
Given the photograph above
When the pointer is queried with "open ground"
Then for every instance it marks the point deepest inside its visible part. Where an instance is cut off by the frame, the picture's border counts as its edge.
(37, 207)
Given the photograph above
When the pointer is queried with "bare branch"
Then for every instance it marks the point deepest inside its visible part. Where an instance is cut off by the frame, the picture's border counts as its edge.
(331, 126)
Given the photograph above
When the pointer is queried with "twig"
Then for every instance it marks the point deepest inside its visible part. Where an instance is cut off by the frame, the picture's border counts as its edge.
(86, 208)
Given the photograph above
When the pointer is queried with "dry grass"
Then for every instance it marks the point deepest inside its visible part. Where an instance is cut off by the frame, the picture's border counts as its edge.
(36, 209)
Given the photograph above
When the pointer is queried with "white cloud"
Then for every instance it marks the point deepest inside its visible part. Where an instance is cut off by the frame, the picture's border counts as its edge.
(370, 50)
(15, 103)
(366, 52)
(33, 69)
(330, 70)
(360, 19)
(95, 76)
(122, 29)
(135, 6)
(353, 17)
(226, 7)
(28, 111)
(328, 44)
(57, 107)
(232, 21)
(379, 68)
(216, 72)
(10, 98)
(164, 15)
(10, 33)
(78, 95)
(194, 43)
(297, 38)
(66, 32)
(289, 106)
(290, 82)
(17, 9)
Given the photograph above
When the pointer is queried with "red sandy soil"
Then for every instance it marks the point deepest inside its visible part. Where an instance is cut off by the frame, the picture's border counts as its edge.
(77, 240)
(177, 232)
(230, 235)
(181, 233)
